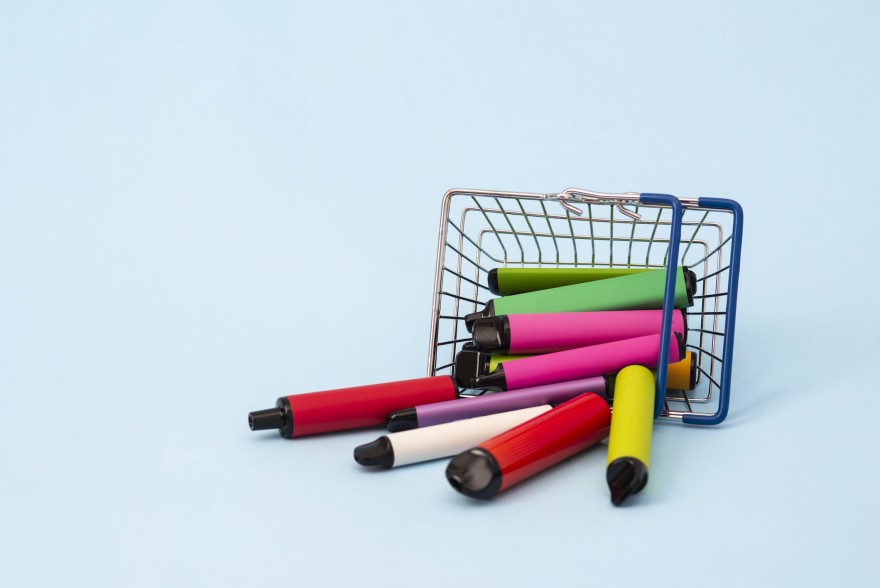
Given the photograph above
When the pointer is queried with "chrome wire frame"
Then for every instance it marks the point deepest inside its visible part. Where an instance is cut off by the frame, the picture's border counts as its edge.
(481, 230)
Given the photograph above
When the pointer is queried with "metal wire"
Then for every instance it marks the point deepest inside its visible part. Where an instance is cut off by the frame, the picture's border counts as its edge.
(492, 226)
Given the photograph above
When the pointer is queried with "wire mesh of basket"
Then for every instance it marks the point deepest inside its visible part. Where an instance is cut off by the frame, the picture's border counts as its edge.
(481, 230)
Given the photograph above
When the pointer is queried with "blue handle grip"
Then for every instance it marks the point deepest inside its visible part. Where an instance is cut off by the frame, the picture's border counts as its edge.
(730, 310)
(669, 297)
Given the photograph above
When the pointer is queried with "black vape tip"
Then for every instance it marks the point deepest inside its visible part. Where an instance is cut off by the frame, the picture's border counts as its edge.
(609, 387)
(377, 453)
(402, 420)
(271, 418)
(682, 346)
(469, 319)
(694, 362)
(690, 284)
(469, 364)
(495, 379)
(625, 476)
(280, 417)
(492, 279)
(684, 321)
(492, 333)
(475, 473)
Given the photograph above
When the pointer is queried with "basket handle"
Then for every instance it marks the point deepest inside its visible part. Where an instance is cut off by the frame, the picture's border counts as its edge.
(730, 312)
(669, 296)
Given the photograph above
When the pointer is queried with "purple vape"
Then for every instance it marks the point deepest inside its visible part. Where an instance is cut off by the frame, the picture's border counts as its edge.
(462, 408)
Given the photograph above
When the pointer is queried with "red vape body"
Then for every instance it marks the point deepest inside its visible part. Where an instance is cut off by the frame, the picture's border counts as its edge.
(298, 415)
(363, 406)
(521, 452)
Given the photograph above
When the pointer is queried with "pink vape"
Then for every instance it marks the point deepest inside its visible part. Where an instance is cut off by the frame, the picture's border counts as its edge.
(583, 362)
(526, 334)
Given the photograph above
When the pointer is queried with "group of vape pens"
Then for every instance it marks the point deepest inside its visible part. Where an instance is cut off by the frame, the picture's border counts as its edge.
(552, 354)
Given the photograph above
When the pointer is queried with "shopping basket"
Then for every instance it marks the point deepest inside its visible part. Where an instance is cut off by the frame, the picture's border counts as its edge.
(481, 230)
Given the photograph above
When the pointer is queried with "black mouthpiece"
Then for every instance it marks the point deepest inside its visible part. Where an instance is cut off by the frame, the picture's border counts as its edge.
(469, 319)
(625, 476)
(378, 453)
(694, 362)
(492, 333)
(475, 473)
(684, 321)
(492, 279)
(496, 379)
(279, 418)
(682, 347)
(690, 284)
(609, 387)
(262, 420)
(402, 420)
(469, 365)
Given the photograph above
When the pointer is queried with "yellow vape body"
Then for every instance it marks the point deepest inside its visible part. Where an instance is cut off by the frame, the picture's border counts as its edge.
(629, 442)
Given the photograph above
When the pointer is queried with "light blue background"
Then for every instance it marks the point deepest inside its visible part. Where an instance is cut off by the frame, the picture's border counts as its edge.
(199, 201)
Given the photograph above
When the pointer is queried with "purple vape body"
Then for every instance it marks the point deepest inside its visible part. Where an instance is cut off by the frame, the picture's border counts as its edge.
(462, 408)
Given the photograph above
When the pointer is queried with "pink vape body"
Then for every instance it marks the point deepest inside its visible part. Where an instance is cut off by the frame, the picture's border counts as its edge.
(544, 333)
(586, 362)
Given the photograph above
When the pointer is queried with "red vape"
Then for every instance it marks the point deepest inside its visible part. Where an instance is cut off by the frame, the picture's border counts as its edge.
(525, 450)
(349, 408)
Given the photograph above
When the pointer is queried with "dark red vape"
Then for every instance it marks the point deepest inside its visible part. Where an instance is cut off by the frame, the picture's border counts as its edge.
(522, 452)
(349, 408)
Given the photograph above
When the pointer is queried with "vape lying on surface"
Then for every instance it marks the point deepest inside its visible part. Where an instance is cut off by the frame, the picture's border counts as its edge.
(527, 334)
(428, 443)
(428, 415)
(629, 443)
(349, 408)
(642, 291)
(497, 464)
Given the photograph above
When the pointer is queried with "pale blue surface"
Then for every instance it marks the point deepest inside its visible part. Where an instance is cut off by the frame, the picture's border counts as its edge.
(187, 193)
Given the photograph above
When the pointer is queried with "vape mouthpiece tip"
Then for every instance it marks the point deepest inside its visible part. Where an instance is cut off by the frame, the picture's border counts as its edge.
(402, 420)
(495, 379)
(492, 280)
(492, 333)
(470, 319)
(469, 363)
(263, 420)
(625, 476)
(475, 473)
(690, 283)
(488, 310)
(376, 453)
(682, 346)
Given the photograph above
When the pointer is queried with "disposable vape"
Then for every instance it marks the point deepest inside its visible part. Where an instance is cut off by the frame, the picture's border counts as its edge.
(575, 364)
(503, 461)
(528, 334)
(504, 281)
(641, 291)
(299, 415)
(471, 362)
(428, 415)
(629, 443)
(427, 443)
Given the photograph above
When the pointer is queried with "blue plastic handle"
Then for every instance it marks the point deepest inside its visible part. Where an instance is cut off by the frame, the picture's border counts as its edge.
(730, 312)
(669, 296)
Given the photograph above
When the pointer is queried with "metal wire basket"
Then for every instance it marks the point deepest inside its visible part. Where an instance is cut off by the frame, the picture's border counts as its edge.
(481, 230)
